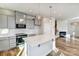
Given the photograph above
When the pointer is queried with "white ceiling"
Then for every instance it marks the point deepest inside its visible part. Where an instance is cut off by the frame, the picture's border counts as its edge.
(59, 10)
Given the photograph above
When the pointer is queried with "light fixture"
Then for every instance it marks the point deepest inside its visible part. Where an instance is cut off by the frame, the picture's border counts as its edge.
(21, 20)
(50, 12)
(74, 23)
(29, 9)
(39, 17)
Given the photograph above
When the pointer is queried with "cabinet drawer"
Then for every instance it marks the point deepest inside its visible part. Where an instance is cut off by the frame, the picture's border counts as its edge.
(12, 45)
(13, 37)
(12, 40)
(1, 38)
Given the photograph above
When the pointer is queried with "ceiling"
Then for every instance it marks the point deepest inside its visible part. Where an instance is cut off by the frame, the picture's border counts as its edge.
(59, 10)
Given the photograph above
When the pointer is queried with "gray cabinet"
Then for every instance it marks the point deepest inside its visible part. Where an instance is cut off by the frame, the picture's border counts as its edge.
(11, 22)
(30, 24)
(7, 21)
(20, 18)
(4, 44)
(7, 43)
(3, 21)
(12, 42)
(41, 49)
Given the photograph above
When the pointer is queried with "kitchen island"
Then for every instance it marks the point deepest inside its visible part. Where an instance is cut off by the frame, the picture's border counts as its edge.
(39, 45)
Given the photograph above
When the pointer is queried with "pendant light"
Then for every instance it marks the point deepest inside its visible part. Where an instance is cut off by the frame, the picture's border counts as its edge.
(50, 7)
(39, 17)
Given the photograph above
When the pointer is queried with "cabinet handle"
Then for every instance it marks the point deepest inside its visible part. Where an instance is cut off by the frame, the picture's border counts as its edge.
(52, 40)
(38, 45)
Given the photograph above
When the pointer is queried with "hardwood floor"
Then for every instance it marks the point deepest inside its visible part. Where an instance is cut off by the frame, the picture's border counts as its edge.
(12, 52)
(68, 48)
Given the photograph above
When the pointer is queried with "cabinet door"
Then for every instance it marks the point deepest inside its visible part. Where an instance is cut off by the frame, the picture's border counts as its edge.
(4, 44)
(11, 22)
(20, 19)
(3, 21)
(12, 39)
(40, 50)
(29, 24)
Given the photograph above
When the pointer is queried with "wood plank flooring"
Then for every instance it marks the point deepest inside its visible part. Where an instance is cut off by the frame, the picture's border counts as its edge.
(69, 48)
(12, 52)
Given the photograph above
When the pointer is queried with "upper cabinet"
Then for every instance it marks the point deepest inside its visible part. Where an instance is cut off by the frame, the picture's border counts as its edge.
(7, 19)
(3, 21)
(11, 22)
(7, 22)
(20, 18)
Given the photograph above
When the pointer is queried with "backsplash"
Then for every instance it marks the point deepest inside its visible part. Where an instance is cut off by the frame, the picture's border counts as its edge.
(16, 31)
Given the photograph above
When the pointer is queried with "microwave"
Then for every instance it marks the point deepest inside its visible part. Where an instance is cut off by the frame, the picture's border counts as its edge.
(21, 26)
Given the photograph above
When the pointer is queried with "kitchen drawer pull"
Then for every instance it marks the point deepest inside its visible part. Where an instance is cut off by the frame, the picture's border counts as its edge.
(38, 45)
(52, 40)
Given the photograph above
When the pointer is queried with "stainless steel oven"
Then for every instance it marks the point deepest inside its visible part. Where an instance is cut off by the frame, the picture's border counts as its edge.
(19, 38)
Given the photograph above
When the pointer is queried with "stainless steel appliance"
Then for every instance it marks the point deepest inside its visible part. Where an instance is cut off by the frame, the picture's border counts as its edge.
(21, 26)
(19, 38)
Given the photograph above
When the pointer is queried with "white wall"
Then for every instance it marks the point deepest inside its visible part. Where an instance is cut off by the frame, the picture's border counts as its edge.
(74, 28)
(65, 25)
(62, 25)
(48, 26)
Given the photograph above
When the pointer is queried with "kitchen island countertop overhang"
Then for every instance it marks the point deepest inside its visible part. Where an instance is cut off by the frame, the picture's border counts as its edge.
(38, 39)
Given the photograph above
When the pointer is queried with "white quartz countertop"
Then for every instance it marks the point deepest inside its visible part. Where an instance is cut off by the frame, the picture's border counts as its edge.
(38, 39)
(7, 35)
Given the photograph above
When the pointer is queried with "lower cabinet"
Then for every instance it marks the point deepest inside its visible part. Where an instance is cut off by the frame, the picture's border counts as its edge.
(7, 43)
(12, 45)
(12, 42)
(40, 50)
(4, 44)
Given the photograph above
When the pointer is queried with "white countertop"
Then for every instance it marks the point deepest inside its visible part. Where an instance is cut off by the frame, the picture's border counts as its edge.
(38, 39)
(7, 35)
(13, 32)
